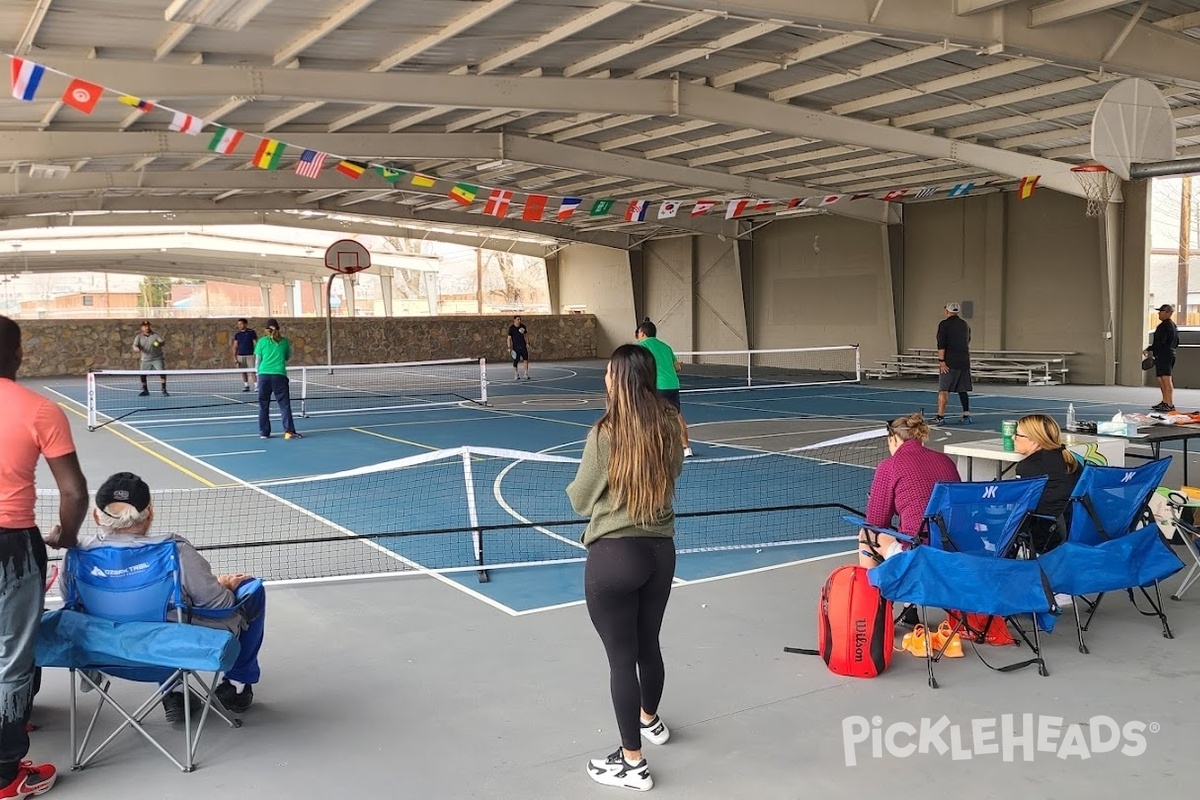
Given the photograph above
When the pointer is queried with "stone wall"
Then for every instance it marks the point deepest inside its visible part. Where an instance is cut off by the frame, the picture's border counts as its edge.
(74, 347)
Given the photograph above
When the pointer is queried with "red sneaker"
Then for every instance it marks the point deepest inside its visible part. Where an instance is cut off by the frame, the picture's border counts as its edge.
(31, 780)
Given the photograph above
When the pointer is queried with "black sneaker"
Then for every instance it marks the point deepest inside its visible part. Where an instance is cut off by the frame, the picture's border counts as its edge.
(166, 393)
(938, 421)
(1159, 406)
(245, 388)
(235, 702)
(173, 706)
(909, 618)
(144, 393)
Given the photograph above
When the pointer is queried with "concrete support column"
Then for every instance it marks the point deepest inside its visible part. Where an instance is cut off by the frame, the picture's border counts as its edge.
(265, 292)
(290, 307)
(348, 290)
(993, 258)
(1130, 298)
(429, 281)
(385, 289)
(318, 290)
(554, 283)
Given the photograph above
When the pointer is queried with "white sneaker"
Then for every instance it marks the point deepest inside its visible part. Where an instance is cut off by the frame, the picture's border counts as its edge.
(687, 452)
(655, 731)
(616, 771)
(1064, 600)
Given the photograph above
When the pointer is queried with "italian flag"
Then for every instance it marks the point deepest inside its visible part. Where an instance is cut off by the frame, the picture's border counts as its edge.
(225, 140)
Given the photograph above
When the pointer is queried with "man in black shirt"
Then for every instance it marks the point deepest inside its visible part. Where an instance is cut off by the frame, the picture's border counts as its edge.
(1162, 347)
(518, 347)
(954, 362)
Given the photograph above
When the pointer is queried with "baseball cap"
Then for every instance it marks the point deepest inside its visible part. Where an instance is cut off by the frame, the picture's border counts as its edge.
(145, 322)
(273, 323)
(123, 487)
(1165, 307)
(953, 307)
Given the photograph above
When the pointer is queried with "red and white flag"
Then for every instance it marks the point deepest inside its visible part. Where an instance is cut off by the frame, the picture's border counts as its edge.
(702, 207)
(535, 207)
(668, 209)
(737, 208)
(498, 202)
(82, 95)
(186, 123)
(894, 194)
(830, 199)
(763, 205)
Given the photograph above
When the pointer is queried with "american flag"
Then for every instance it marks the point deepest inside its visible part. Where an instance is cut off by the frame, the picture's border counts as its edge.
(310, 163)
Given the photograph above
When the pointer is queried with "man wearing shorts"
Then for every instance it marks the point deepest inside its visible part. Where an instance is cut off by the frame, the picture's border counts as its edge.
(244, 339)
(36, 428)
(954, 363)
(518, 348)
(1162, 347)
(668, 371)
(150, 346)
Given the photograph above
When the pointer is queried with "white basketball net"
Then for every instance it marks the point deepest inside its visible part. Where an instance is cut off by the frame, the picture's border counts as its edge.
(1098, 186)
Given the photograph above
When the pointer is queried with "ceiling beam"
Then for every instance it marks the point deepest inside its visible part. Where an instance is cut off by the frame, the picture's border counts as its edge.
(1066, 10)
(36, 16)
(307, 39)
(800, 55)
(878, 67)
(964, 7)
(1183, 22)
(655, 36)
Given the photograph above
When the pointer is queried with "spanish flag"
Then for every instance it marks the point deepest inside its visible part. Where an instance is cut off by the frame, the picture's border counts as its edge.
(464, 193)
(268, 154)
(1028, 186)
(352, 169)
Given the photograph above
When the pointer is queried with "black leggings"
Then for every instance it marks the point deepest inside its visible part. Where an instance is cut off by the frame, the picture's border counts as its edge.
(627, 583)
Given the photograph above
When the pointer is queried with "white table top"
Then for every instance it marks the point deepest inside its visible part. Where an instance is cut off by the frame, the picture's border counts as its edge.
(993, 449)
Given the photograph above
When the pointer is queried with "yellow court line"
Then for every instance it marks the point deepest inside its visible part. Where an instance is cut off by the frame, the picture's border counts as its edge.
(145, 449)
(395, 439)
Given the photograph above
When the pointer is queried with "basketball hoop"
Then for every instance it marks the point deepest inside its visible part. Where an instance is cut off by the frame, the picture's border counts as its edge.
(347, 257)
(1098, 185)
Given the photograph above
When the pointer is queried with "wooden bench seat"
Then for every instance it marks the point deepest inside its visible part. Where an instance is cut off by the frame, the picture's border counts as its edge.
(1033, 368)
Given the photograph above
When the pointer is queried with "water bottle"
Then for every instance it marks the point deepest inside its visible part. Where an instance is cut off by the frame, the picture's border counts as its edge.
(1070, 416)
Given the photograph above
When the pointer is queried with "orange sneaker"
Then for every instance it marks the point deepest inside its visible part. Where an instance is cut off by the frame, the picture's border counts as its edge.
(945, 641)
(916, 642)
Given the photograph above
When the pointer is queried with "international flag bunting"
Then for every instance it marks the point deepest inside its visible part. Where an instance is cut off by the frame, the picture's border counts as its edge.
(136, 102)
(763, 205)
(26, 77)
(535, 207)
(351, 169)
(1028, 186)
(310, 163)
(225, 140)
(668, 209)
(601, 208)
(390, 175)
(636, 212)
(268, 154)
(894, 194)
(424, 181)
(737, 208)
(860, 196)
(82, 95)
(498, 202)
(925, 191)
(960, 189)
(567, 207)
(702, 207)
(463, 193)
(830, 199)
(186, 123)
(797, 202)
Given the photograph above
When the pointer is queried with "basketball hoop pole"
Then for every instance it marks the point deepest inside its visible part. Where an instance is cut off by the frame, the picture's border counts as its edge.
(329, 323)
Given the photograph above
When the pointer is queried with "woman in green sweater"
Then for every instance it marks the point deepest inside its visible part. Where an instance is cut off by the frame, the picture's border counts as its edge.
(625, 484)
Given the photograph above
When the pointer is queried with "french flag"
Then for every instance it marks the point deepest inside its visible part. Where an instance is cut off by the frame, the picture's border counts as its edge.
(26, 76)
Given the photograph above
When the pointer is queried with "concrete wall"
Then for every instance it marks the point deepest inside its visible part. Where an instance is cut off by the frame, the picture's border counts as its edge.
(692, 290)
(1031, 270)
(598, 278)
(823, 281)
(73, 347)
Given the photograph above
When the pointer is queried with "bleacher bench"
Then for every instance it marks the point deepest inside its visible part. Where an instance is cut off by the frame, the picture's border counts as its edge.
(1032, 367)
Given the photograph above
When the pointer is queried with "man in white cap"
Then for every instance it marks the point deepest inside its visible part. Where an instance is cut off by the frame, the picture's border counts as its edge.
(1162, 347)
(954, 362)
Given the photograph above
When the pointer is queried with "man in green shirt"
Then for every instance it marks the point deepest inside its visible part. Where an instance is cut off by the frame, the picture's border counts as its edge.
(668, 371)
(271, 354)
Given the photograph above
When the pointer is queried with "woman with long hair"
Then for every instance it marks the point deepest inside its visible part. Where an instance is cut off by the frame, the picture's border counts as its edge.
(1039, 439)
(901, 488)
(626, 484)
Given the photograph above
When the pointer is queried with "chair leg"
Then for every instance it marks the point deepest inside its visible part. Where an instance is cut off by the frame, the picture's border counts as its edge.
(1079, 626)
(1037, 650)
(1188, 579)
(1156, 604)
(933, 684)
(74, 731)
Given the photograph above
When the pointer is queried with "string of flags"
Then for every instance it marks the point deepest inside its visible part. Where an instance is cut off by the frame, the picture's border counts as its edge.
(268, 154)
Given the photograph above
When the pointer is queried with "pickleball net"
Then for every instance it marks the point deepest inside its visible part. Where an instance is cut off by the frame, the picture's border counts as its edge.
(482, 509)
(200, 395)
(730, 370)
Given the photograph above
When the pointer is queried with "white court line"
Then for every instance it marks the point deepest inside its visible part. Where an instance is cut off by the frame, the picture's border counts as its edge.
(230, 453)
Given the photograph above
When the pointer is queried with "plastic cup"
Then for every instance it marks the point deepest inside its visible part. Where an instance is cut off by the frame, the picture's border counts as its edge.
(1008, 429)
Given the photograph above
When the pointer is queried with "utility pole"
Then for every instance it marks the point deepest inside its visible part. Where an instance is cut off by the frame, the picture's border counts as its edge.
(1185, 250)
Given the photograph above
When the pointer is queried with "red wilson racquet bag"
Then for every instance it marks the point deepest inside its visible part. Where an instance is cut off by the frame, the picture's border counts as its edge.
(854, 625)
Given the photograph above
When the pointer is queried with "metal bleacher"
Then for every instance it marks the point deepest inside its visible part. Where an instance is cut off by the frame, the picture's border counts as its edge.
(1032, 367)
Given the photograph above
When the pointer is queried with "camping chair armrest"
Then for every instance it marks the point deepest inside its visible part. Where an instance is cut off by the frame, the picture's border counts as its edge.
(243, 594)
(862, 523)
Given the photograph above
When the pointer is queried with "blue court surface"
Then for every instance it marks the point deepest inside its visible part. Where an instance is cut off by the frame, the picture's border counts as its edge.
(746, 457)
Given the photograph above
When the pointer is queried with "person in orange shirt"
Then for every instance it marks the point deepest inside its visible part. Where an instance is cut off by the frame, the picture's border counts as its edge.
(34, 427)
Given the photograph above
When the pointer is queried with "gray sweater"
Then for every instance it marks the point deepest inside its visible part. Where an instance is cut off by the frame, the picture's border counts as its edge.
(590, 497)
(200, 586)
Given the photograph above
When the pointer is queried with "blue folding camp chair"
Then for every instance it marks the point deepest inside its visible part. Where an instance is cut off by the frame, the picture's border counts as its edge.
(965, 560)
(1112, 542)
(121, 615)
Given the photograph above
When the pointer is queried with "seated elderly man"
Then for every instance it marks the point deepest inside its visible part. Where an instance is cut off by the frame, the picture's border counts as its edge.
(124, 514)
